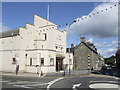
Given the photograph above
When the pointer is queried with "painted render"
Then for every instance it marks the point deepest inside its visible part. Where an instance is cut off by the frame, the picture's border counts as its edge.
(33, 44)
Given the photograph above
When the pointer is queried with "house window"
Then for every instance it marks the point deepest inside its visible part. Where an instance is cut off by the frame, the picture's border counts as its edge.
(42, 46)
(14, 61)
(42, 61)
(45, 36)
(30, 61)
(56, 47)
(51, 61)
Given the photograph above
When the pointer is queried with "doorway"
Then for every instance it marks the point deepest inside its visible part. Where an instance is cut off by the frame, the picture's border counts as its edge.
(59, 64)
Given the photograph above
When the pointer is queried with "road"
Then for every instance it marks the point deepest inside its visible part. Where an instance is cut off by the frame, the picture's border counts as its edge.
(70, 82)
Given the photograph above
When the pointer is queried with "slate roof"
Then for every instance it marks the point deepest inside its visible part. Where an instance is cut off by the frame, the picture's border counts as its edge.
(9, 33)
(90, 47)
(87, 45)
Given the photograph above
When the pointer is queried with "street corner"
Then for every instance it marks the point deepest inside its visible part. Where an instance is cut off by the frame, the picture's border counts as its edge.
(105, 76)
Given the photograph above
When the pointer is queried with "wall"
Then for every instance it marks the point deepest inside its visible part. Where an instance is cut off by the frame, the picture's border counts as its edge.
(81, 58)
(31, 41)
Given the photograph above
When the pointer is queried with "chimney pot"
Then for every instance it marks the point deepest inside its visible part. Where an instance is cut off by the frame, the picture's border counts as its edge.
(82, 39)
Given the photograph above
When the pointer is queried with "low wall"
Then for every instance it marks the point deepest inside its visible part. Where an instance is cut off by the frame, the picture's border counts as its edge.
(44, 69)
(77, 72)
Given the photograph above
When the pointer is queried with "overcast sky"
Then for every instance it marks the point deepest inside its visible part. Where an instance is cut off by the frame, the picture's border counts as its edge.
(100, 29)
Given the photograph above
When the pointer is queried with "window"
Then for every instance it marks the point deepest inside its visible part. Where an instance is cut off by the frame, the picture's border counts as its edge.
(30, 61)
(45, 36)
(51, 61)
(56, 47)
(42, 46)
(42, 61)
(14, 61)
(61, 48)
(26, 55)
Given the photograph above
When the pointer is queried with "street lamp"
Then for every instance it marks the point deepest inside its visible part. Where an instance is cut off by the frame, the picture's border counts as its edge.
(69, 43)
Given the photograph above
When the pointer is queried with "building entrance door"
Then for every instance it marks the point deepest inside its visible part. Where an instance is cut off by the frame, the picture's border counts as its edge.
(59, 64)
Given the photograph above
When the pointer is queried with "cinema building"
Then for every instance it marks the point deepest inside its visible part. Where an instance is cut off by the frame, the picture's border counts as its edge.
(39, 44)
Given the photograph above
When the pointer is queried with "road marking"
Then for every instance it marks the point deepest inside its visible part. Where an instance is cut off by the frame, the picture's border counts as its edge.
(19, 82)
(21, 86)
(37, 84)
(4, 81)
(104, 81)
(116, 78)
(52, 82)
(103, 85)
(76, 85)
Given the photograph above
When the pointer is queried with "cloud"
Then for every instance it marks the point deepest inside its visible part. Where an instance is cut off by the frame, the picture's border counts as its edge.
(108, 52)
(107, 44)
(107, 49)
(90, 40)
(101, 25)
(3, 27)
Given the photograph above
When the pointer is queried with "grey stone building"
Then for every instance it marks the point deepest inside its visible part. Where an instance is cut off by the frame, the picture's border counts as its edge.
(85, 56)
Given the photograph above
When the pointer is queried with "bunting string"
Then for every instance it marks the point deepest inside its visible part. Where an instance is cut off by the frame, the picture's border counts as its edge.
(92, 14)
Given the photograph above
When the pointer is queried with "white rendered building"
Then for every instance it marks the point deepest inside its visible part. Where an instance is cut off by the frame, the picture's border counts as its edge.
(41, 44)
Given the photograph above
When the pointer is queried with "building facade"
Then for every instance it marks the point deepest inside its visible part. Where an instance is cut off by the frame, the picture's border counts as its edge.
(86, 56)
(37, 45)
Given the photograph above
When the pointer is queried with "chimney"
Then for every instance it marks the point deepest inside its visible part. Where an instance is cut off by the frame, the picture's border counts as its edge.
(82, 39)
(72, 45)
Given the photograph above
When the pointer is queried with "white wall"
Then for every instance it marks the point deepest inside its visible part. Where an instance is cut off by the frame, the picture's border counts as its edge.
(31, 41)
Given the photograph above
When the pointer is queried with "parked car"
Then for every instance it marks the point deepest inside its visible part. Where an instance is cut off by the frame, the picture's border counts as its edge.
(106, 69)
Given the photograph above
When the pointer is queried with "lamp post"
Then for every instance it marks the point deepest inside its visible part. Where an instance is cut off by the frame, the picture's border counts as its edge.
(69, 43)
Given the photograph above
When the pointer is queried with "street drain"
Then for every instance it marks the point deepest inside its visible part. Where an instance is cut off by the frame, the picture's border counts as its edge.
(103, 85)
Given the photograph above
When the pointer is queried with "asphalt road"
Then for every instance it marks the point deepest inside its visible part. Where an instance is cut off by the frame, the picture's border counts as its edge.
(69, 82)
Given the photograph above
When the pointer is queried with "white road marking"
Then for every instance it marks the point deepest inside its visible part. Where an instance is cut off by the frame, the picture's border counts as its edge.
(33, 83)
(21, 86)
(37, 84)
(103, 85)
(76, 85)
(52, 82)
(116, 78)
(4, 81)
(20, 82)
(105, 81)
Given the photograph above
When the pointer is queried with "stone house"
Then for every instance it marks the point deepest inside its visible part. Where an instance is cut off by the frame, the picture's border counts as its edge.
(86, 56)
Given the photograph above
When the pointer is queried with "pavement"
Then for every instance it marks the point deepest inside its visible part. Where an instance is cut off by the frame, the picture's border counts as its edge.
(50, 75)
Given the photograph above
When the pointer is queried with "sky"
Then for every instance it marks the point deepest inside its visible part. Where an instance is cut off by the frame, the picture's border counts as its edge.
(100, 29)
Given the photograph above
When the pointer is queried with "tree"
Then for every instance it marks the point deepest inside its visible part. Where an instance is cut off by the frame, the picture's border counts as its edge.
(110, 60)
